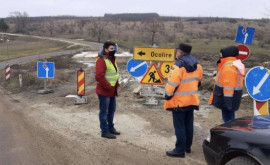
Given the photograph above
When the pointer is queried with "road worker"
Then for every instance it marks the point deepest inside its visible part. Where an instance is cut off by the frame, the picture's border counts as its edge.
(228, 87)
(107, 84)
(182, 98)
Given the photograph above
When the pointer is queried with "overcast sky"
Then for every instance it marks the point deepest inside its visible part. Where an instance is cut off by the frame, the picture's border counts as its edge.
(213, 8)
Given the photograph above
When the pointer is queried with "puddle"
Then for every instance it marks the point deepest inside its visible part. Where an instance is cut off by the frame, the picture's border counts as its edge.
(94, 55)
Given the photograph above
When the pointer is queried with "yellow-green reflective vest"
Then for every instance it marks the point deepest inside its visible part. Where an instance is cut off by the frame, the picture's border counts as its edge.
(111, 74)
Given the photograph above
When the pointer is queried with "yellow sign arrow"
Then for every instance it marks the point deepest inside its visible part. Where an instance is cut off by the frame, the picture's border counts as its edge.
(154, 54)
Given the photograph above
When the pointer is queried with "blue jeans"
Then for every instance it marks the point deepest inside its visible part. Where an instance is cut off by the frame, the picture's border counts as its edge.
(183, 126)
(227, 115)
(107, 106)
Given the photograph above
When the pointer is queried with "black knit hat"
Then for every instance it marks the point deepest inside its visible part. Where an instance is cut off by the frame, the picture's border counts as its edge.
(231, 51)
(185, 47)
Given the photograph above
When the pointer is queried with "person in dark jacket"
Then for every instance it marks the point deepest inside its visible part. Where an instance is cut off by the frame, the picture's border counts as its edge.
(182, 97)
(228, 87)
(107, 84)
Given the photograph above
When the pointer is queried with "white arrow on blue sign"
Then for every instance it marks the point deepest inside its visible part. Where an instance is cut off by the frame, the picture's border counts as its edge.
(245, 35)
(136, 68)
(45, 69)
(258, 83)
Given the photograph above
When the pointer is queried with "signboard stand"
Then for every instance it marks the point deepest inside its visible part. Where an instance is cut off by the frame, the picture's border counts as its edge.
(81, 100)
(151, 100)
(45, 90)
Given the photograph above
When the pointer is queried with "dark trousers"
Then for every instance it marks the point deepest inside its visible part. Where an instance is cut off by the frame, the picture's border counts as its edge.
(227, 115)
(107, 106)
(183, 126)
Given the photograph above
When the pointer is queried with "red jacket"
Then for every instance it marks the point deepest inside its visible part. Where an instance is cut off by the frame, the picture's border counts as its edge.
(103, 87)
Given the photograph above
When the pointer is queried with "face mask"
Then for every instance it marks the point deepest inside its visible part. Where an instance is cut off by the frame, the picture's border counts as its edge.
(111, 53)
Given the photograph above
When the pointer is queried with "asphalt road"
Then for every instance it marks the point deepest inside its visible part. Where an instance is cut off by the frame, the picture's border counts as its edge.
(91, 45)
(24, 60)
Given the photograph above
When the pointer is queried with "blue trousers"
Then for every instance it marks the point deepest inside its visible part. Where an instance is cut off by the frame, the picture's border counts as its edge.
(107, 106)
(183, 126)
(227, 115)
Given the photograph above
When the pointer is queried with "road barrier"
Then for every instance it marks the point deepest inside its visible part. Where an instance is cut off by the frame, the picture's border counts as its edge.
(81, 99)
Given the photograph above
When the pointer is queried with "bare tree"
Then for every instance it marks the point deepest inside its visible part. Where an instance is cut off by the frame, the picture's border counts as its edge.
(50, 26)
(153, 27)
(81, 23)
(21, 21)
(3, 25)
(97, 28)
(179, 26)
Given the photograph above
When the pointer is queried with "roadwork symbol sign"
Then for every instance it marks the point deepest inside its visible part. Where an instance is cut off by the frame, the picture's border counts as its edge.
(165, 68)
(245, 35)
(152, 76)
(258, 83)
(45, 69)
(154, 54)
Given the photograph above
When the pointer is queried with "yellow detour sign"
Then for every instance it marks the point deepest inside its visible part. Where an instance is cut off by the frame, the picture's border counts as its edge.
(165, 68)
(152, 76)
(153, 54)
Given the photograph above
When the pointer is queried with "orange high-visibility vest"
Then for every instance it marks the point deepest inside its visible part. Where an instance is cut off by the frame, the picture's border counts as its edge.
(183, 87)
(228, 86)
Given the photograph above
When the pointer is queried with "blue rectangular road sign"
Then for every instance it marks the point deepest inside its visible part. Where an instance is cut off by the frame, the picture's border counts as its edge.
(245, 35)
(45, 69)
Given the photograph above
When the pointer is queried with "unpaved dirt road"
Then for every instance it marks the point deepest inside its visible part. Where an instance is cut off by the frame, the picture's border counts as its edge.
(22, 142)
(50, 129)
(43, 133)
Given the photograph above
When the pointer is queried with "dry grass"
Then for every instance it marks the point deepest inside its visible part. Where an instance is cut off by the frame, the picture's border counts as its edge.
(26, 46)
(29, 75)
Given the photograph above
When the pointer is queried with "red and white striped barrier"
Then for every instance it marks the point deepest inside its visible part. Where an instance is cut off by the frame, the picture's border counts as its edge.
(7, 72)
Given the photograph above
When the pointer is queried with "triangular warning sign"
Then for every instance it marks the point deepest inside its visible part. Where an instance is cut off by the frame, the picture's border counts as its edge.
(152, 76)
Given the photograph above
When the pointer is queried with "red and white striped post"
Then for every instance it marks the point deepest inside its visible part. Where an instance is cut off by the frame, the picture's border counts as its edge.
(7, 72)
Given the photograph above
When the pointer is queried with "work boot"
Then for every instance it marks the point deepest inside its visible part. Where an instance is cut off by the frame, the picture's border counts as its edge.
(188, 151)
(108, 136)
(114, 132)
(173, 153)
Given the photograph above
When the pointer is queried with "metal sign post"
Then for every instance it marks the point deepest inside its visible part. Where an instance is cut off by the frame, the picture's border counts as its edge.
(20, 80)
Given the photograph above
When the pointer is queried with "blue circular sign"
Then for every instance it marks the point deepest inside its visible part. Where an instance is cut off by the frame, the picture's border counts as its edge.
(258, 83)
(136, 68)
